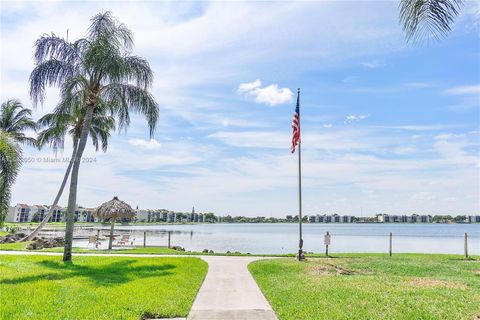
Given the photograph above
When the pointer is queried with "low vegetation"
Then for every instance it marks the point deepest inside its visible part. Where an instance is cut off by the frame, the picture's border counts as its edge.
(405, 286)
(42, 287)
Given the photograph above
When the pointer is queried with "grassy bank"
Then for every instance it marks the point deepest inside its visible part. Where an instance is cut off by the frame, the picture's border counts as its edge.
(21, 246)
(40, 287)
(405, 286)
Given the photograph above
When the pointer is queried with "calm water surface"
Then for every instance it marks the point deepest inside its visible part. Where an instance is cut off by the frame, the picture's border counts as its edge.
(283, 238)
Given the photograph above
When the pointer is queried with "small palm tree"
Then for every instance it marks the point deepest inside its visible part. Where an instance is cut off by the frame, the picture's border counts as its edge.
(69, 120)
(426, 19)
(15, 120)
(97, 71)
(10, 160)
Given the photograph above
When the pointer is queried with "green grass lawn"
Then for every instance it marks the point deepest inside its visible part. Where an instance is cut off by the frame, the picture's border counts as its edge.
(41, 287)
(405, 286)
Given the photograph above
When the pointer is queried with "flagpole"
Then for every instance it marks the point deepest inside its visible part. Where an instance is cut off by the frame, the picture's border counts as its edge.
(300, 242)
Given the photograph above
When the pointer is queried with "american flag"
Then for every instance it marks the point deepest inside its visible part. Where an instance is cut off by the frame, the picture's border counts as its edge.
(296, 124)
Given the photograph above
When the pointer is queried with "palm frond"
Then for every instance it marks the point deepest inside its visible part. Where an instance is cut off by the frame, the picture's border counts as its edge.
(105, 28)
(132, 98)
(426, 19)
(53, 47)
(10, 161)
(15, 120)
(48, 73)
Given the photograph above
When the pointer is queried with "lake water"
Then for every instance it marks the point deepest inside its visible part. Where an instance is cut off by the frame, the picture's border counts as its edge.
(283, 238)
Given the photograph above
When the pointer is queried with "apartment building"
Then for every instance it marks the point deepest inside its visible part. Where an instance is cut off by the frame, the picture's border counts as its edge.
(335, 218)
(473, 219)
(414, 218)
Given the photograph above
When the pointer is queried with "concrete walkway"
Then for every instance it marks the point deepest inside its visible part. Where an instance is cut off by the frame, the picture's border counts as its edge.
(228, 292)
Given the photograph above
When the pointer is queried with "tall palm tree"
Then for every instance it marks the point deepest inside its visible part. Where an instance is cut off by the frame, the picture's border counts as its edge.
(15, 120)
(57, 125)
(98, 71)
(10, 160)
(426, 19)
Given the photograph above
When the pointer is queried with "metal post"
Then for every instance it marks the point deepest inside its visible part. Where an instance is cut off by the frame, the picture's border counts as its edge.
(144, 239)
(169, 232)
(300, 244)
(390, 248)
(466, 246)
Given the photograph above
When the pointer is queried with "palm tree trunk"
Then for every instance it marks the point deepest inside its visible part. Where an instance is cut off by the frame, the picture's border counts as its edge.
(72, 197)
(45, 220)
(111, 234)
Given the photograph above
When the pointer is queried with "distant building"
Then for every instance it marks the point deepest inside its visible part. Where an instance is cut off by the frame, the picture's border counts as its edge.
(84, 215)
(335, 218)
(58, 214)
(194, 217)
(19, 213)
(473, 219)
(38, 212)
(414, 218)
(142, 215)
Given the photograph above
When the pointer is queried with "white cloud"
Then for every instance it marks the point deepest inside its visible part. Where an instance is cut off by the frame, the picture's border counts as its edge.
(351, 79)
(328, 125)
(469, 89)
(404, 150)
(146, 144)
(428, 127)
(249, 86)
(270, 95)
(372, 64)
(418, 85)
(356, 118)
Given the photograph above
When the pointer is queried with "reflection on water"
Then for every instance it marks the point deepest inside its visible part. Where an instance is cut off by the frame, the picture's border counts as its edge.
(283, 238)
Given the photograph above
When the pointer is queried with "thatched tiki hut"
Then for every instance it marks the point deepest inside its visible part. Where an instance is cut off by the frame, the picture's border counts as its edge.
(113, 210)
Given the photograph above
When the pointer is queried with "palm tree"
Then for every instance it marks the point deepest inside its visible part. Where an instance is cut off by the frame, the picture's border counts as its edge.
(96, 71)
(10, 160)
(15, 120)
(69, 120)
(424, 19)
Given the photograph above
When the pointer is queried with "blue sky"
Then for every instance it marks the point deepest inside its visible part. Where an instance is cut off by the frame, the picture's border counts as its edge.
(386, 127)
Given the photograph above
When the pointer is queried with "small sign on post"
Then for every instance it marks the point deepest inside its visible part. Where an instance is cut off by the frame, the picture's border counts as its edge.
(326, 242)
(144, 239)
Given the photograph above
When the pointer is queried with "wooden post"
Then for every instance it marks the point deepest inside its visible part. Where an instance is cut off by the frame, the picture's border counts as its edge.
(111, 234)
(466, 246)
(390, 247)
(144, 239)
(169, 232)
(98, 239)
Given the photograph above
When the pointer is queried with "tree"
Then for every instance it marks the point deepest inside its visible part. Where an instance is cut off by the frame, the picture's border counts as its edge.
(97, 71)
(10, 161)
(15, 120)
(68, 119)
(425, 19)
